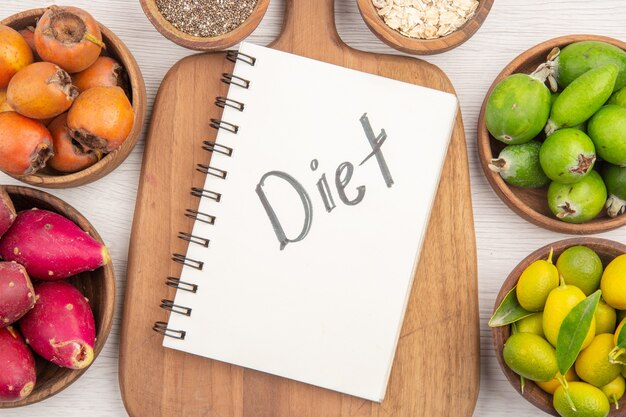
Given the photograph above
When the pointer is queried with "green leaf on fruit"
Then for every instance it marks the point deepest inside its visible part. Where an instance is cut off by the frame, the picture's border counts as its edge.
(574, 330)
(509, 311)
(621, 338)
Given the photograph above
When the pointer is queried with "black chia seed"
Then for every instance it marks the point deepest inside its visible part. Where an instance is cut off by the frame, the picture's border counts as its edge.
(206, 18)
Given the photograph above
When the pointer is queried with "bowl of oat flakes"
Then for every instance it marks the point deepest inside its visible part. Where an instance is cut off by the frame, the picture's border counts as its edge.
(424, 27)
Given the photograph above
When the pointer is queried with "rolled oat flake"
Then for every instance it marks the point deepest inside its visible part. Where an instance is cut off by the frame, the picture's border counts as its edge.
(426, 19)
(206, 18)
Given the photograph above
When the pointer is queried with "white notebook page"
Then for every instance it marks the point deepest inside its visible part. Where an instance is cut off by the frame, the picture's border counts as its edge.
(327, 308)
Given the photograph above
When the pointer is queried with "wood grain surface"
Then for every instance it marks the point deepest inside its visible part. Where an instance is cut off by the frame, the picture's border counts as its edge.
(502, 237)
(442, 312)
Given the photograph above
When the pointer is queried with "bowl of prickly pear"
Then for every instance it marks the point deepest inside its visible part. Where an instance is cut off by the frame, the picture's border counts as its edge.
(71, 291)
(93, 92)
(559, 313)
(550, 136)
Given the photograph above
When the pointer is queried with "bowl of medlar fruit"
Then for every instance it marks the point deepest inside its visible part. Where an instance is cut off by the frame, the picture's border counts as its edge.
(72, 98)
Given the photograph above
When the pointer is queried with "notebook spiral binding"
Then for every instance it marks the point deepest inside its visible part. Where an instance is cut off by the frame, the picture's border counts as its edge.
(209, 146)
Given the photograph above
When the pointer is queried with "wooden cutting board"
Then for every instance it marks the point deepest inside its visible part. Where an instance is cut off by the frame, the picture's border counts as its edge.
(436, 368)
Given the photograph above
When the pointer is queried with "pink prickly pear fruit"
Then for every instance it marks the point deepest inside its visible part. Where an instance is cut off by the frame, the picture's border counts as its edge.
(17, 296)
(60, 328)
(50, 246)
(7, 212)
(18, 375)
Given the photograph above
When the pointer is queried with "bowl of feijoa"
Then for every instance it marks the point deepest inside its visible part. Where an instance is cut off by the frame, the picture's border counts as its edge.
(552, 134)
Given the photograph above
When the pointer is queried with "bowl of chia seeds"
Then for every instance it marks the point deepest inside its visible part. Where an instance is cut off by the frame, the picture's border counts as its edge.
(206, 25)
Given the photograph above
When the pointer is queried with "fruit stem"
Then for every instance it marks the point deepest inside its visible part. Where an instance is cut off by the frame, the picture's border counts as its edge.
(561, 281)
(614, 398)
(615, 206)
(552, 63)
(553, 55)
(522, 384)
(542, 72)
(550, 255)
(93, 39)
(614, 356)
(565, 386)
(551, 127)
(562, 381)
(546, 70)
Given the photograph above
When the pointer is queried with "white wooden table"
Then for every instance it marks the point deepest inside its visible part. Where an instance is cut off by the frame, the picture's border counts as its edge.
(503, 239)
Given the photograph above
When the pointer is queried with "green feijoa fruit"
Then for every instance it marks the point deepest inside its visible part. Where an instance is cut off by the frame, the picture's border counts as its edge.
(519, 165)
(607, 129)
(582, 127)
(619, 98)
(582, 98)
(567, 156)
(530, 356)
(553, 98)
(579, 202)
(517, 109)
(615, 181)
(579, 57)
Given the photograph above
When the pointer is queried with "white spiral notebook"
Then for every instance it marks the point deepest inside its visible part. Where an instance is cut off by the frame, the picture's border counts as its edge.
(310, 222)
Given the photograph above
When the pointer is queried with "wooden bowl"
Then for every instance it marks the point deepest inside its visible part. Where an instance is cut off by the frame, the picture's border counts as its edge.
(403, 43)
(204, 43)
(98, 286)
(532, 204)
(607, 250)
(48, 178)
